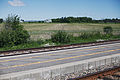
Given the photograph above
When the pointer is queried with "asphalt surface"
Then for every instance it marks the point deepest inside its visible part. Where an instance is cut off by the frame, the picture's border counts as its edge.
(26, 62)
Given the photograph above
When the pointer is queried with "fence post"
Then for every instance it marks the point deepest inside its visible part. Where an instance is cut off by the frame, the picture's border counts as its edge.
(105, 62)
(74, 69)
(82, 67)
(51, 75)
(111, 60)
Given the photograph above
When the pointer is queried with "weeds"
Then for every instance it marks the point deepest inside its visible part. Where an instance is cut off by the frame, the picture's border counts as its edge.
(62, 38)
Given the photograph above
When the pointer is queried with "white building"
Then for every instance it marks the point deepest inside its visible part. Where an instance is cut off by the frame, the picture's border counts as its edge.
(48, 21)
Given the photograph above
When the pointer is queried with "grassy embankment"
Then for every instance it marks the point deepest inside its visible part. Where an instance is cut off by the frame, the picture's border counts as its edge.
(44, 31)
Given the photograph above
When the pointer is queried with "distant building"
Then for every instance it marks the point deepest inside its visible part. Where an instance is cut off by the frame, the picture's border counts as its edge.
(48, 21)
(22, 20)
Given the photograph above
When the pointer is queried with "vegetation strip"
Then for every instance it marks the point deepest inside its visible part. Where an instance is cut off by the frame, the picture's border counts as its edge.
(53, 48)
(15, 35)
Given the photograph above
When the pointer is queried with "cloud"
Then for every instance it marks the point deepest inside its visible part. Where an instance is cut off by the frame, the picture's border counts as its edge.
(16, 3)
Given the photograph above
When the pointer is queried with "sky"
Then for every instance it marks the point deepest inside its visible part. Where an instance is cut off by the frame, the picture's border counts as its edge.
(48, 9)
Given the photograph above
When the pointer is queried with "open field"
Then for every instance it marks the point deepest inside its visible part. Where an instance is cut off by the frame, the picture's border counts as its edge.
(67, 26)
(44, 30)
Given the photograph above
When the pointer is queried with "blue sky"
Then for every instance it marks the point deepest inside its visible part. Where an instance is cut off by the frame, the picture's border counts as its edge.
(47, 9)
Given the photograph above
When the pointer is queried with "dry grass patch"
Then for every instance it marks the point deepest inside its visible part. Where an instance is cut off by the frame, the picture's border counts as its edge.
(44, 30)
(67, 26)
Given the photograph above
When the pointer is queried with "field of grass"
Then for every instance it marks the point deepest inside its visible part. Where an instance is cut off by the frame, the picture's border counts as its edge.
(44, 30)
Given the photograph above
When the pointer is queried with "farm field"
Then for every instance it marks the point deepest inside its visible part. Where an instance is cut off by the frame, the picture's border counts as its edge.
(44, 30)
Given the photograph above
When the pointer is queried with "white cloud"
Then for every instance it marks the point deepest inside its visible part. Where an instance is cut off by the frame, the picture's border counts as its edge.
(16, 3)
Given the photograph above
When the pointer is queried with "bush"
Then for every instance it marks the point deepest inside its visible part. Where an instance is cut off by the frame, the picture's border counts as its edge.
(1, 20)
(108, 30)
(84, 35)
(12, 32)
(90, 35)
(61, 37)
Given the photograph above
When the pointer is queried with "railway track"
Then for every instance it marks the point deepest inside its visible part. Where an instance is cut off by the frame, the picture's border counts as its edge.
(53, 48)
(102, 75)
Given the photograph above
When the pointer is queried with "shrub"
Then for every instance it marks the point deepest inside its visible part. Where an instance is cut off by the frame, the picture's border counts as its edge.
(108, 30)
(90, 35)
(1, 20)
(12, 32)
(61, 37)
(84, 35)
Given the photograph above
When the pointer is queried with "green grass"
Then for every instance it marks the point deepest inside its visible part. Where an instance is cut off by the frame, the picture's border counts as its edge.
(31, 44)
(74, 40)
(45, 30)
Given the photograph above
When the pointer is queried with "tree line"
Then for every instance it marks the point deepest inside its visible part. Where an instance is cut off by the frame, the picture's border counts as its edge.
(83, 20)
(75, 20)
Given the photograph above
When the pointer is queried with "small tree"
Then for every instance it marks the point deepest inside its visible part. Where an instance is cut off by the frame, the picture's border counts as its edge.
(108, 29)
(1, 20)
(12, 32)
(61, 37)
